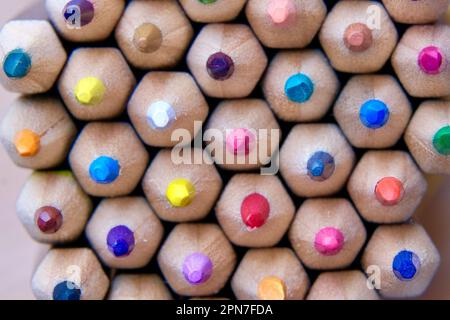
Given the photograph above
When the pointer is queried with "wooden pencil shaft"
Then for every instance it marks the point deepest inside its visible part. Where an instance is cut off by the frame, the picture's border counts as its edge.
(53, 207)
(37, 132)
(32, 56)
(154, 34)
(204, 179)
(84, 20)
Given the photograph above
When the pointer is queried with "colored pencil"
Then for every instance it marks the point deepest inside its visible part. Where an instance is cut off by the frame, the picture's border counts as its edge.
(404, 259)
(224, 65)
(373, 111)
(342, 285)
(162, 199)
(300, 85)
(196, 259)
(70, 274)
(138, 287)
(52, 207)
(209, 11)
(108, 159)
(286, 23)
(124, 232)
(154, 34)
(254, 210)
(387, 186)
(316, 160)
(350, 40)
(181, 192)
(242, 134)
(416, 12)
(32, 56)
(327, 233)
(37, 132)
(428, 136)
(270, 274)
(164, 102)
(96, 83)
(421, 61)
(85, 20)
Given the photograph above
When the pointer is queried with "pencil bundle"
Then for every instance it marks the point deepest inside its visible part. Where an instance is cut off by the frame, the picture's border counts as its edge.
(270, 149)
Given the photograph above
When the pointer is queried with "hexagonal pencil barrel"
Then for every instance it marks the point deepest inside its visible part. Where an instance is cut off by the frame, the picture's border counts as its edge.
(164, 103)
(387, 186)
(138, 287)
(53, 207)
(85, 20)
(220, 62)
(196, 259)
(124, 232)
(416, 12)
(300, 85)
(421, 61)
(96, 83)
(185, 191)
(154, 34)
(401, 259)
(316, 160)
(70, 274)
(373, 111)
(254, 210)
(327, 233)
(270, 274)
(342, 285)
(286, 23)
(108, 159)
(358, 36)
(32, 56)
(210, 11)
(428, 136)
(242, 134)
(37, 132)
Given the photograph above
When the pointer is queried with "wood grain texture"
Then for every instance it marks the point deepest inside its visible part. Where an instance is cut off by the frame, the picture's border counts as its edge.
(228, 210)
(384, 245)
(332, 37)
(296, 32)
(60, 190)
(186, 239)
(218, 11)
(138, 287)
(302, 142)
(240, 44)
(416, 12)
(80, 266)
(342, 285)
(116, 140)
(376, 165)
(175, 29)
(360, 89)
(38, 39)
(109, 66)
(106, 15)
(204, 177)
(430, 117)
(136, 215)
(315, 214)
(404, 61)
(180, 91)
(312, 63)
(46, 117)
(251, 114)
(276, 262)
